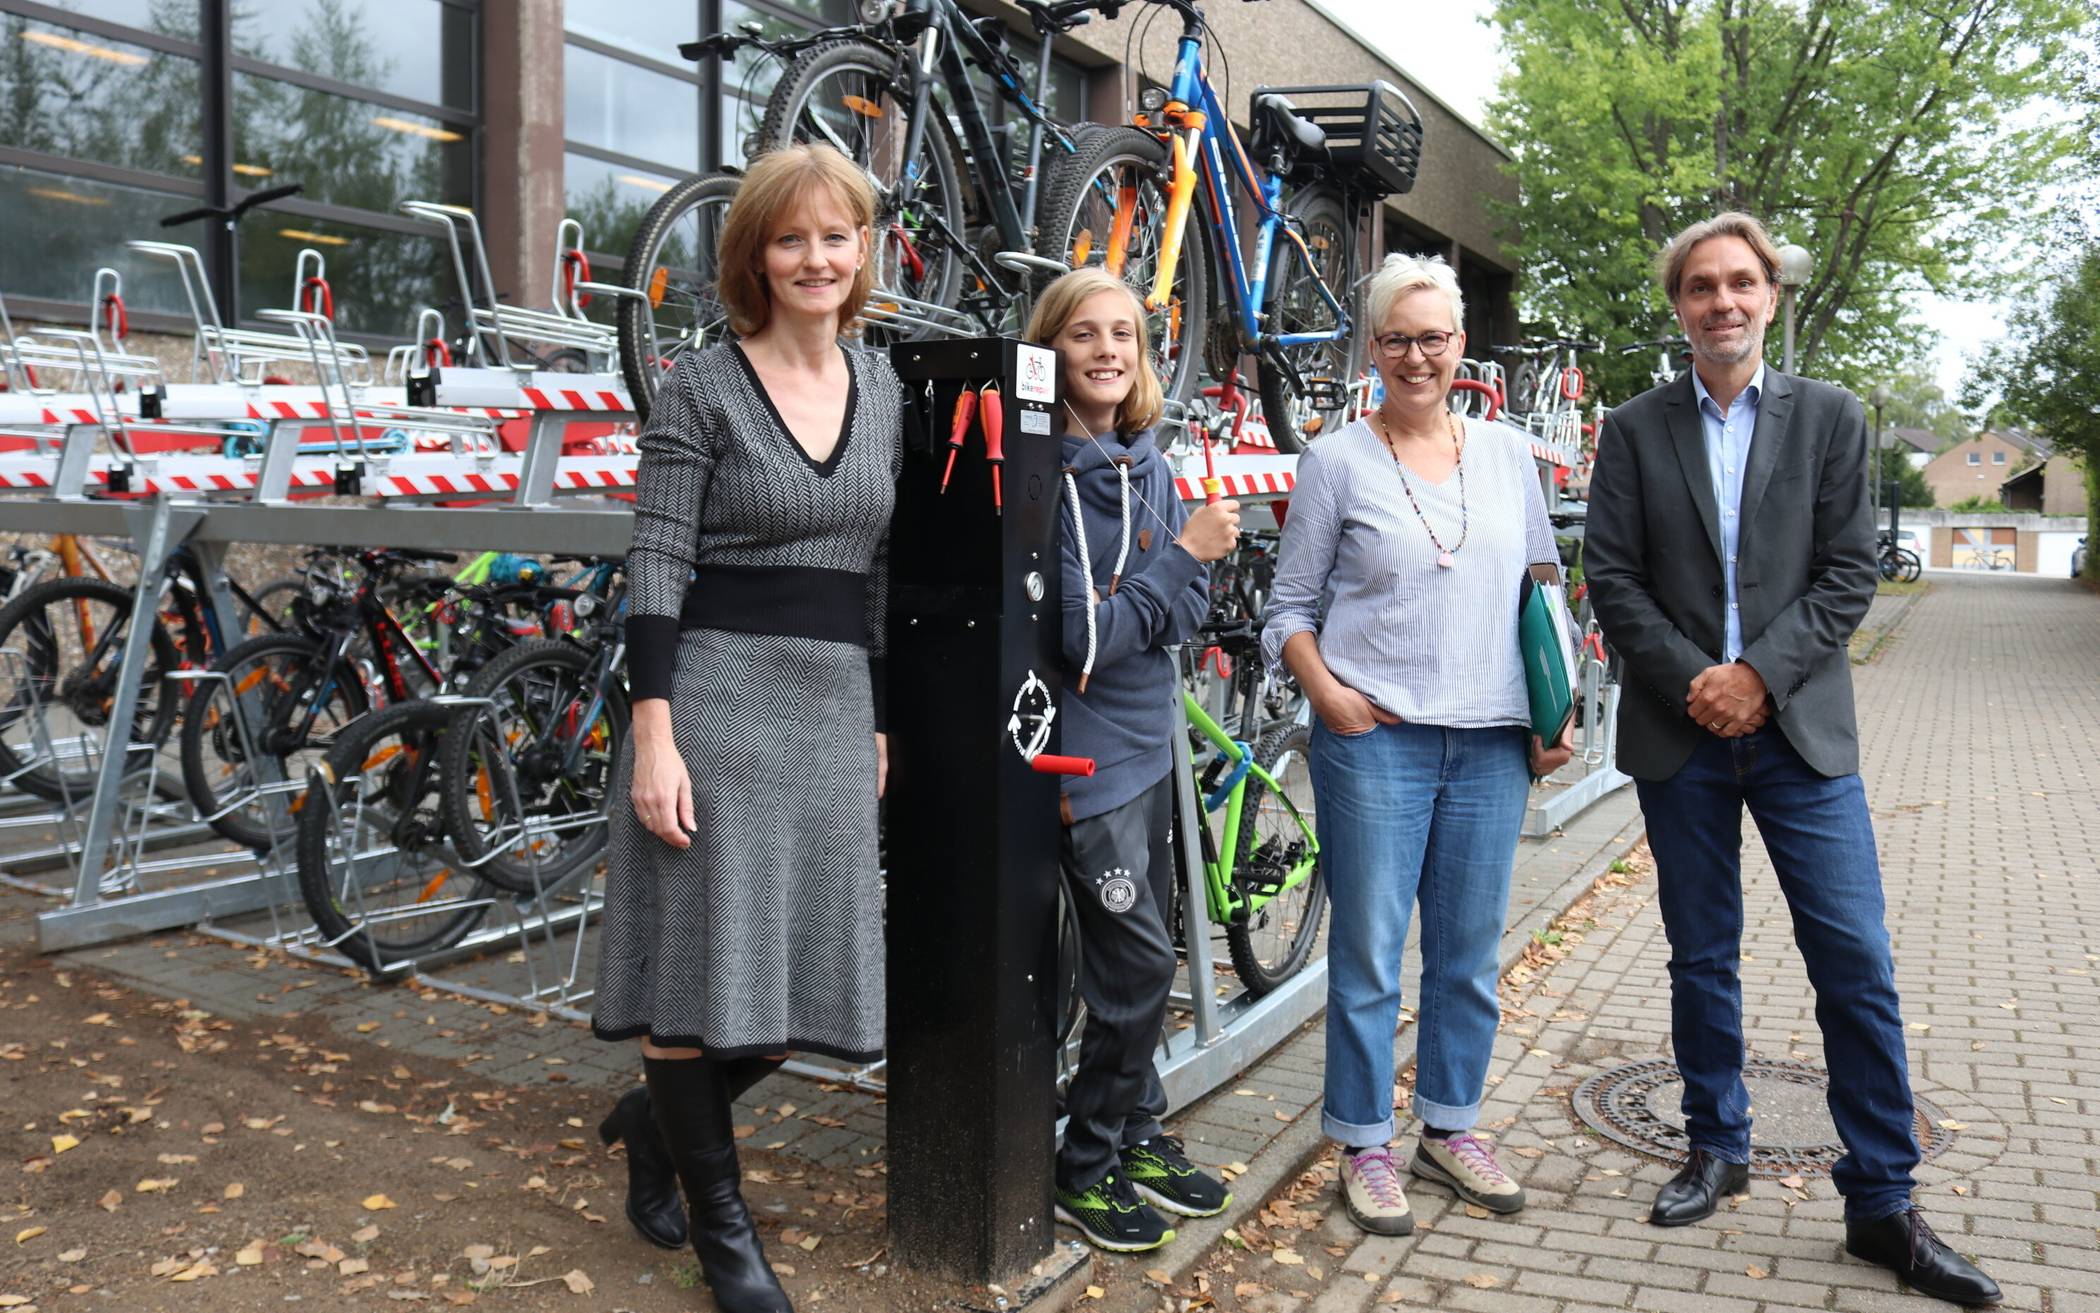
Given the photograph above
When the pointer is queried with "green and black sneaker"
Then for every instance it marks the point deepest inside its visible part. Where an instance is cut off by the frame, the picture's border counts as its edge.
(1165, 1178)
(1111, 1216)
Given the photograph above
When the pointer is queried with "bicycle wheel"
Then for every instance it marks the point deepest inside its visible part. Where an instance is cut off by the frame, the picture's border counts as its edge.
(1912, 567)
(1305, 389)
(1271, 944)
(1123, 168)
(847, 94)
(374, 869)
(273, 600)
(71, 634)
(672, 261)
(532, 763)
(281, 677)
(1887, 564)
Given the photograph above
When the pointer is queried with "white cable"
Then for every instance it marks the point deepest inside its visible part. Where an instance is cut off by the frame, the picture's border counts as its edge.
(1086, 564)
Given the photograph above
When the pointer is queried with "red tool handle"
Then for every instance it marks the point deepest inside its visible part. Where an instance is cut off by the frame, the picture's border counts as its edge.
(1213, 490)
(991, 417)
(1044, 763)
(435, 352)
(113, 315)
(965, 410)
(575, 268)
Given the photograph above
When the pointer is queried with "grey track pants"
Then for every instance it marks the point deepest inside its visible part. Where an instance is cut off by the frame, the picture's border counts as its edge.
(1118, 870)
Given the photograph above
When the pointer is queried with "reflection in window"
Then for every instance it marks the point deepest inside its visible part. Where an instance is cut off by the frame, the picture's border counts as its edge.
(176, 18)
(380, 279)
(414, 48)
(68, 92)
(650, 28)
(81, 226)
(752, 76)
(622, 107)
(348, 152)
(609, 200)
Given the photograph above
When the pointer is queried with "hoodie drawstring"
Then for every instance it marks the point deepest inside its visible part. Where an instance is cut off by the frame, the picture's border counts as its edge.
(1115, 576)
(1085, 561)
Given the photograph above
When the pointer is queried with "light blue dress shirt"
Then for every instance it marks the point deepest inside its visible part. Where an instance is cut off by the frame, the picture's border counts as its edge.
(1727, 456)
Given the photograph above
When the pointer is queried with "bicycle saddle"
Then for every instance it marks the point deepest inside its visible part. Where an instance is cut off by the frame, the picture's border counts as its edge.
(1275, 118)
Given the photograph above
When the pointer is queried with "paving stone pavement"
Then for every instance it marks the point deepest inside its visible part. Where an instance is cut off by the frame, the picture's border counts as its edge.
(1979, 719)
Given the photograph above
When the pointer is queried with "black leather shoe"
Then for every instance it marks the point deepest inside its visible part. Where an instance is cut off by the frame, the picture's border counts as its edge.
(1904, 1244)
(690, 1100)
(1693, 1194)
(653, 1204)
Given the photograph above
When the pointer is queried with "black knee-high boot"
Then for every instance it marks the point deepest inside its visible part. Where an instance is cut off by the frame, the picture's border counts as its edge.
(690, 1099)
(653, 1204)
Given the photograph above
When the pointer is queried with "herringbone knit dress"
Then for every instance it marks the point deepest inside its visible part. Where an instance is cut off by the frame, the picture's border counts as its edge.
(766, 933)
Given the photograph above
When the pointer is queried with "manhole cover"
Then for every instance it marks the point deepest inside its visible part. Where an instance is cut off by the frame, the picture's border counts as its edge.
(1791, 1134)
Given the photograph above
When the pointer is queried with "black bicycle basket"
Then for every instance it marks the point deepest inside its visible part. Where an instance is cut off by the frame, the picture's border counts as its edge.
(1374, 134)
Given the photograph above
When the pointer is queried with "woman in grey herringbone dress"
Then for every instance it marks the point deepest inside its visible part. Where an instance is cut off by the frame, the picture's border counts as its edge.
(743, 911)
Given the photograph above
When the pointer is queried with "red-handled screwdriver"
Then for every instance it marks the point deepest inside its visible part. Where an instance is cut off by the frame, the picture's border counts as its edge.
(965, 410)
(991, 417)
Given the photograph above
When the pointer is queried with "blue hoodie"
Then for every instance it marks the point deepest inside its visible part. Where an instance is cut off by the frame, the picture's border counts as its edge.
(1124, 719)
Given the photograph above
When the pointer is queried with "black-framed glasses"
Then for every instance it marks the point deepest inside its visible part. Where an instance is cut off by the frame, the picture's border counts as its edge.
(1396, 344)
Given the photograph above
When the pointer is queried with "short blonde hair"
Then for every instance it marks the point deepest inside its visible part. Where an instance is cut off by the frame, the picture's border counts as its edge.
(1055, 308)
(1669, 266)
(1400, 274)
(778, 183)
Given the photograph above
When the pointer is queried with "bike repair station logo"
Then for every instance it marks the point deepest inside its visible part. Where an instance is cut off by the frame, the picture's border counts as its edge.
(1118, 891)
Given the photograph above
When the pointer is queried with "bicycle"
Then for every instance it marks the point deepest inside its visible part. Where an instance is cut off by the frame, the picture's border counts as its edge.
(1897, 564)
(1290, 313)
(952, 243)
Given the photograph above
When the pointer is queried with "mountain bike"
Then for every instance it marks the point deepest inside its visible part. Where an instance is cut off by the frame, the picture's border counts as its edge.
(1342, 151)
(954, 219)
(1897, 564)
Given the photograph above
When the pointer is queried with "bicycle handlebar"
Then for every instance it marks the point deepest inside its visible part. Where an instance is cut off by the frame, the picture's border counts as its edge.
(1659, 344)
(237, 209)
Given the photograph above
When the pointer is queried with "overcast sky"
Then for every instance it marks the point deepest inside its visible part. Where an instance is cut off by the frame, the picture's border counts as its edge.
(1447, 48)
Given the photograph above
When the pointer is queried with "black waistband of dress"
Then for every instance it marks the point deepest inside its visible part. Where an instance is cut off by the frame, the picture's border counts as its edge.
(801, 601)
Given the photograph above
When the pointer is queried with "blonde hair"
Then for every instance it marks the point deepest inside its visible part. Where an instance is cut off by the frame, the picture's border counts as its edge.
(1061, 300)
(777, 184)
(1400, 274)
(1669, 266)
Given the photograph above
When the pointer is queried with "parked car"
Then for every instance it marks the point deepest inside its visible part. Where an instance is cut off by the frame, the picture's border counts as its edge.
(2078, 559)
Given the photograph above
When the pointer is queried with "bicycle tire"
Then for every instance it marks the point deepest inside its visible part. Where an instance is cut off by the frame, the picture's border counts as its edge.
(481, 778)
(368, 753)
(70, 695)
(900, 237)
(213, 769)
(1294, 306)
(1911, 566)
(646, 354)
(273, 600)
(1260, 967)
(1067, 232)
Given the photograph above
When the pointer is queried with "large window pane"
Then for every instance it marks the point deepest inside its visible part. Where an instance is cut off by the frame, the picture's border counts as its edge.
(609, 200)
(648, 27)
(348, 152)
(61, 229)
(379, 279)
(420, 49)
(68, 92)
(176, 18)
(623, 107)
(751, 74)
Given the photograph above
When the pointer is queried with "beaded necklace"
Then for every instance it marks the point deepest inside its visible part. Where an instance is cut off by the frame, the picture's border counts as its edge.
(1444, 555)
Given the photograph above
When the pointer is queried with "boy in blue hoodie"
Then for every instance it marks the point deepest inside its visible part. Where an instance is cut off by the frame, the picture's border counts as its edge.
(1136, 579)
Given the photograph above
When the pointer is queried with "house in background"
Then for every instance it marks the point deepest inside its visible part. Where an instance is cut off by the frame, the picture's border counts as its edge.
(2055, 486)
(1917, 445)
(1977, 467)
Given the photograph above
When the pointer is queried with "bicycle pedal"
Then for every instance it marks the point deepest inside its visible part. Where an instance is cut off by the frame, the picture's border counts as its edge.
(1326, 393)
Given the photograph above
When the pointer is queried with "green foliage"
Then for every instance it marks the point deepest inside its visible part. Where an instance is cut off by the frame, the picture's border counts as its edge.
(1896, 142)
(1977, 505)
(1911, 488)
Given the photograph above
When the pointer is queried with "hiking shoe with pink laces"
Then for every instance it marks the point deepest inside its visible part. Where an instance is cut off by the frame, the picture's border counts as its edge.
(1371, 1192)
(1466, 1162)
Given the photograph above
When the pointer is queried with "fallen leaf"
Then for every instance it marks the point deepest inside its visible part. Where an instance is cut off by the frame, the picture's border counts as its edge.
(110, 1201)
(1095, 1292)
(1159, 1275)
(1481, 1280)
(235, 1190)
(482, 1252)
(373, 1203)
(202, 1268)
(1792, 1182)
(28, 1233)
(1476, 1211)
(577, 1282)
(809, 1243)
(1288, 1257)
(252, 1256)
(351, 1267)
(152, 1185)
(367, 1027)
(1949, 1124)
(365, 1235)
(61, 1143)
(745, 1132)
(72, 1255)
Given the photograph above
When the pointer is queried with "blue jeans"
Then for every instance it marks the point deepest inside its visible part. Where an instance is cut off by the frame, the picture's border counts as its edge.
(1411, 812)
(1821, 842)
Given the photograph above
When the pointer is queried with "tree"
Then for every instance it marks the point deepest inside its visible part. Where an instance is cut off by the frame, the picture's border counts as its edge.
(1888, 139)
(1911, 488)
(2048, 369)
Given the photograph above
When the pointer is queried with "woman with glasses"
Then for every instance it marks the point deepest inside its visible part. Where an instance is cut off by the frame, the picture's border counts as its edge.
(1395, 605)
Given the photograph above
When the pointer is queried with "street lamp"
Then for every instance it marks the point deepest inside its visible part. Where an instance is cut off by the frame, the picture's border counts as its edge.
(1795, 263)
(1878, 397)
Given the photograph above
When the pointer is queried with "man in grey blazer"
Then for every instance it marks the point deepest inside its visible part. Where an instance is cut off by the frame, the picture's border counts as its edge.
(1730, 554)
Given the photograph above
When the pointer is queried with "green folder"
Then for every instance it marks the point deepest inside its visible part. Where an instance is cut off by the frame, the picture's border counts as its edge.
(1545, 638)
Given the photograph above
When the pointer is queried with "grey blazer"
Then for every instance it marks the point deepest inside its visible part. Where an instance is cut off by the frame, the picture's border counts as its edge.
(1804, 580)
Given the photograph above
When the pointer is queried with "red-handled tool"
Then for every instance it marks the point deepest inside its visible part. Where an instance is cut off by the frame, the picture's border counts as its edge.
(1213, 488)
(1045, 763)
(991, 417)
(965, 411)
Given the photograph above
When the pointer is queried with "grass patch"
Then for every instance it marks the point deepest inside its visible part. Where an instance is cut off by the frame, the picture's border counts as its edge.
(1896, 588)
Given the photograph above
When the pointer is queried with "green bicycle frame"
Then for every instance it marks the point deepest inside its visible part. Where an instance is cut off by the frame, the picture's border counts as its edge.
(1226, 900)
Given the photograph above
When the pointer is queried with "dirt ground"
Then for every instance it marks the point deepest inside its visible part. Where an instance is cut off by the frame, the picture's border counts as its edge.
(168, 1159)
